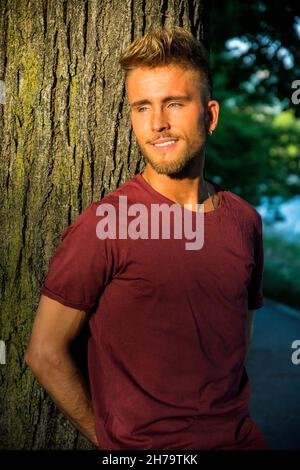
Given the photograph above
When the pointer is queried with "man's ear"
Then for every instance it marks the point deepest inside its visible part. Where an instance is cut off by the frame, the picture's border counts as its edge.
(212, 115)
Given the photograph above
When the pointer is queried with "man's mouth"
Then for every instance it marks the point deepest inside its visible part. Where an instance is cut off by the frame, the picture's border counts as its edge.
(164, 143)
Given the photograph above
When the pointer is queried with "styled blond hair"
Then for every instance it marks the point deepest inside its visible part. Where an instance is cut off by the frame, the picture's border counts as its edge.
(164, 46)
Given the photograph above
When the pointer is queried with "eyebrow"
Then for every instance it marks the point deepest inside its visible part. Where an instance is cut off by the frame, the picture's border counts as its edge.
(165, 100)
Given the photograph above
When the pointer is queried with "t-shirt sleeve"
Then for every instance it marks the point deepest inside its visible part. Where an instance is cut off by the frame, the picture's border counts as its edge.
(79, 269)
(255, 287)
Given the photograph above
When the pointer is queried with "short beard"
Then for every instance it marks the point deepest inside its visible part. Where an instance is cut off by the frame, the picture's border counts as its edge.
(176, 169)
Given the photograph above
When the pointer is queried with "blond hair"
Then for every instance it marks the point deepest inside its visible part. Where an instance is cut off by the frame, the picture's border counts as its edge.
(162, 46)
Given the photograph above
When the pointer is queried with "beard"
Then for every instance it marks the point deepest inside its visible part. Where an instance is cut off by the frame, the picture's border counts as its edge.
(181, 162)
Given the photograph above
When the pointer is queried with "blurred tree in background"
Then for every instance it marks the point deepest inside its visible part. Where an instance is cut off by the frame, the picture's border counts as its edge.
(256, 49)
(255, 57)
(255, 155)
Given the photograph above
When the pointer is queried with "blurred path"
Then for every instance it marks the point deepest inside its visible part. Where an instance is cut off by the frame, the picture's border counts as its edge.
(275, 380)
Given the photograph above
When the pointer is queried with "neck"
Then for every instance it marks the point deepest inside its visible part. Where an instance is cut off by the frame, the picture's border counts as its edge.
(188, 187)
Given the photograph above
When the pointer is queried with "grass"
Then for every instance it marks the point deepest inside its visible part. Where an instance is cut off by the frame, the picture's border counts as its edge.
(282, 269)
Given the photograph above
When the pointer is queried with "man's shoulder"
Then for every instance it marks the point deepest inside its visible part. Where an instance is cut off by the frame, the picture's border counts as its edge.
(246, 210)
(129, 189)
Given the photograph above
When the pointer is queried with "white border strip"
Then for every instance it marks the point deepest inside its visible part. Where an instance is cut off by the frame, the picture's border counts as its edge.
(2, 352)
(2, 92)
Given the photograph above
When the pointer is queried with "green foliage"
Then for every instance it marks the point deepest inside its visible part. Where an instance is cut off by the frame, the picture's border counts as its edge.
(281, 270)
(253, 155)
(270, 60)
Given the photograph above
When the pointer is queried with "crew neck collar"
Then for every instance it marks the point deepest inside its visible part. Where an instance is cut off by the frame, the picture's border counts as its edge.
(158, 195)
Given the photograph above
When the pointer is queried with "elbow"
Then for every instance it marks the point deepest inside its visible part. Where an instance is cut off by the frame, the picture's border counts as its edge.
(34, 360)
(42, 358)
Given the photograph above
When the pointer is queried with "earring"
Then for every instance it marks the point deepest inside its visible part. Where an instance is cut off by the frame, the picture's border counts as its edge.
(210, 132)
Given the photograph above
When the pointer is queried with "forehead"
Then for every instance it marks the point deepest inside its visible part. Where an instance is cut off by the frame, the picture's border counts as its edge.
(159, 81)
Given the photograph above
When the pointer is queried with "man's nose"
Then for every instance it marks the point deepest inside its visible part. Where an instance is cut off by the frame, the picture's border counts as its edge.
(159, 121)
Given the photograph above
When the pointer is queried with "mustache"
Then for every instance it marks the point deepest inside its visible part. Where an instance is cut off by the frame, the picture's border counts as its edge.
(163, 136)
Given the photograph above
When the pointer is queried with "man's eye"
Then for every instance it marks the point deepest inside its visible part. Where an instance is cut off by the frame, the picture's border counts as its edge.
(142, 109)
(175, 105)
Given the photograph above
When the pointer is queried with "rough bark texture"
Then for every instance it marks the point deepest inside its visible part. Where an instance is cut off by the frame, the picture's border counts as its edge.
(65, 142)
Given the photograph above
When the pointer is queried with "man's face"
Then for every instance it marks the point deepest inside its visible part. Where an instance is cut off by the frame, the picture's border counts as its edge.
(167, 115)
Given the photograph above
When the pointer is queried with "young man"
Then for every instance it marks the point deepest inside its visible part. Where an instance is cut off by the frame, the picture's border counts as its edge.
(170, 326)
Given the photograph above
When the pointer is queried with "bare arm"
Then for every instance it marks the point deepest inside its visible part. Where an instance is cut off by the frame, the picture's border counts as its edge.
(250, 321)
(49, 357)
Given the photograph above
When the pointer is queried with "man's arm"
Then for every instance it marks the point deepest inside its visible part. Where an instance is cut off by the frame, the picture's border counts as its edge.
(250, 321)
(49, 357)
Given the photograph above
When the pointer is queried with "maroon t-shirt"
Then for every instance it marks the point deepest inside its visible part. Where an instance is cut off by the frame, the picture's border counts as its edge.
(168, 325)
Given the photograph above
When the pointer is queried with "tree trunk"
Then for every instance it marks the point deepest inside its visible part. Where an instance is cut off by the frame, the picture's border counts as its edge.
(65, 142)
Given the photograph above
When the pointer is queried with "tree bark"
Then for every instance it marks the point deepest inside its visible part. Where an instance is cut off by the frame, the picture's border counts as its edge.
(65, 142)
